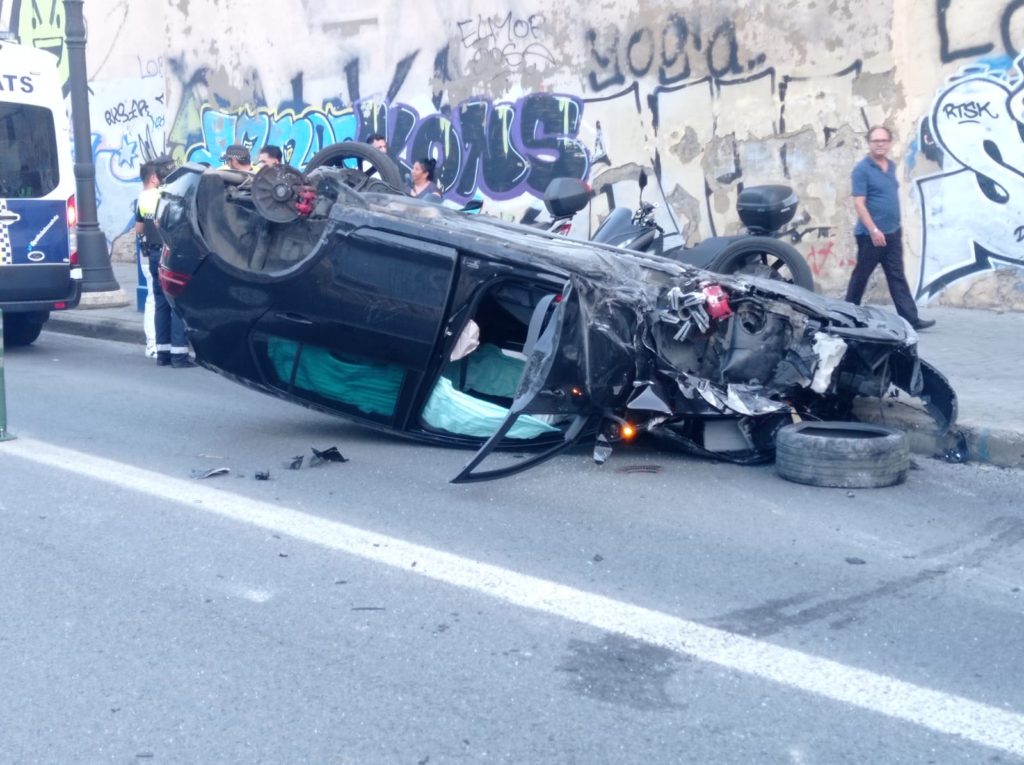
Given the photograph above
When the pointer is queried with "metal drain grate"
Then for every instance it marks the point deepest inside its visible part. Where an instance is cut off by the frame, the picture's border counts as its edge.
(633, 469)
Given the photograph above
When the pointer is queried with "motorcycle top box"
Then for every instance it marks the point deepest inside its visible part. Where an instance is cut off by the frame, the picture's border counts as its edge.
(566, 196)
(766, 208)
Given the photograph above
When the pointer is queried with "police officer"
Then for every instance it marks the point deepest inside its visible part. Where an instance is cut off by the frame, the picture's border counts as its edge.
(171, 346)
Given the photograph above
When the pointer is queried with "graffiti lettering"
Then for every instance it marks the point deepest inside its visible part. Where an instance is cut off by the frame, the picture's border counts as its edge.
(1019, 233)
(982, 180)
(946, 51)
(675, 47)
(126, 111)
(500, 149)
(505, 40)
(153, 67)
(609, 59)
(1006, 25)
(724, 38)
(497, 30)
(971, 110)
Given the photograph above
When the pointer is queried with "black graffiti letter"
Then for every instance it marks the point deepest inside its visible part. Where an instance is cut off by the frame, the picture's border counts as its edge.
(604, 62)
(725, 32)
(945, 53)
(430, 134)
(671, 52)
(470, 126)
(1011, 9)
(642, 38)
(552, 152)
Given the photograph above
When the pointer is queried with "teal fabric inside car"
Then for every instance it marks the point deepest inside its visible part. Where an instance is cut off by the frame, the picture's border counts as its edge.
(486, 370)
(373, 388)
(370, 387)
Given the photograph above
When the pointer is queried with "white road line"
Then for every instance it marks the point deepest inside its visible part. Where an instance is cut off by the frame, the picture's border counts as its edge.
(937, 711)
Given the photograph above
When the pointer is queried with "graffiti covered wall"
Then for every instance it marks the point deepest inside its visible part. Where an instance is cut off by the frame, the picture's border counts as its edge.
(707, 99)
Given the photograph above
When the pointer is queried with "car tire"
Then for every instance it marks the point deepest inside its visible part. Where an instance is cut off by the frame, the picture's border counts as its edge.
(848, 455)
(336, 154)
(21, 330)
(765, 257)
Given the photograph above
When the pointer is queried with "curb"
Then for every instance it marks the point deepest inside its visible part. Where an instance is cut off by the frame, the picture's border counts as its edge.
(966, 441)
(98, 328)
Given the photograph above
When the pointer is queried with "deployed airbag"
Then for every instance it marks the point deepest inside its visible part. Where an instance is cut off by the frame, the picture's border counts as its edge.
(457, 412)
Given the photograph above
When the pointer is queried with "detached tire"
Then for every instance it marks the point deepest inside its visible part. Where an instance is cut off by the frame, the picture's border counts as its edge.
(848, 455)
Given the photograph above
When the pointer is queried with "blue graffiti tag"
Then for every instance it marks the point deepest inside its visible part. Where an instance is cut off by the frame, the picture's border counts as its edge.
(500, 149)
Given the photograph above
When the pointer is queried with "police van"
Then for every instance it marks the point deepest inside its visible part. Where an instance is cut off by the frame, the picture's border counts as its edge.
(39, 270)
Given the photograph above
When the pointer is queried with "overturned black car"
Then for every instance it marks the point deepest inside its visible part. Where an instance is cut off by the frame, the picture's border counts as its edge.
(336, 291)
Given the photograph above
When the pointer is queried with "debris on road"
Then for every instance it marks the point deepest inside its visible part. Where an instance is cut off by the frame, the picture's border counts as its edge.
(959, 452)
(327, 455)
(262, 475)
(295, 462)
(200, 473)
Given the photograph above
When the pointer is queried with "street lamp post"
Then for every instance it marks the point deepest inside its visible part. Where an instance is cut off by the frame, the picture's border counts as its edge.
(93, 255)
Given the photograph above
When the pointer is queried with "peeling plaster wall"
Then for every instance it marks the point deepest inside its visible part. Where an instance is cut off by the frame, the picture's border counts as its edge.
(707, 98)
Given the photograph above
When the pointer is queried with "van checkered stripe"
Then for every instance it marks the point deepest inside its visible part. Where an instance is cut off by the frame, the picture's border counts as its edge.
(6, 218)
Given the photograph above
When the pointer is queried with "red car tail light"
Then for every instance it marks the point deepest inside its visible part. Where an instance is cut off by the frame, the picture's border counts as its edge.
(173, 283)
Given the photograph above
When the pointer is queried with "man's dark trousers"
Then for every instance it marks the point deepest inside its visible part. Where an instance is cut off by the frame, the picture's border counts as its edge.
(170, 330)
(891, 258)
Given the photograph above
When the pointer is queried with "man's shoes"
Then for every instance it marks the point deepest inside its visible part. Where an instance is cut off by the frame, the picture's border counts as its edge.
(923, 324)
(163, 358)
(181, 361)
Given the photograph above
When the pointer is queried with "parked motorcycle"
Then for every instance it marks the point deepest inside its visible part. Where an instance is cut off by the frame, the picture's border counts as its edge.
(764, 211)
(563, 198)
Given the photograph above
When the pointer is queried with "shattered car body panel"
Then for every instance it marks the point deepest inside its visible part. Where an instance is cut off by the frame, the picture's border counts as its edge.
(364, 308)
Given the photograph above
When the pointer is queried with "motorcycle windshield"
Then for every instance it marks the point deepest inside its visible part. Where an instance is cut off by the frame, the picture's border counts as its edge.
(618, 223)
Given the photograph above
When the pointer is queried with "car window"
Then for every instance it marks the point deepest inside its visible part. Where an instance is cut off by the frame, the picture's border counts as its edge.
(364, 386)
(28, 151)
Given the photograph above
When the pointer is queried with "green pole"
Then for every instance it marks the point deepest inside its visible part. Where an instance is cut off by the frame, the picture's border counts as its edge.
(5, 435)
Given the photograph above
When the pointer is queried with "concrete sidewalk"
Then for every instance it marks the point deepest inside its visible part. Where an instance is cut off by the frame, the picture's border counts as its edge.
(980, 352)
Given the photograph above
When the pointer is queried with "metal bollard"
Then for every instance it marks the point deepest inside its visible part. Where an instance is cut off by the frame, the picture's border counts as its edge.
(5, 435)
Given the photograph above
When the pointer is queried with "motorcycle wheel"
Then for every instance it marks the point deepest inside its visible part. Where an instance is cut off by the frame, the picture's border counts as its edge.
(766, 258)
(352, 154)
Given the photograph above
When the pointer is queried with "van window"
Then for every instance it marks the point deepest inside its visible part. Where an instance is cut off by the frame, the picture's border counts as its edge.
(28, 151)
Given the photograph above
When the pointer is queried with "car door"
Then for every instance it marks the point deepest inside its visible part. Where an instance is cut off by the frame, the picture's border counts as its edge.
(356, 332)
(552, 383)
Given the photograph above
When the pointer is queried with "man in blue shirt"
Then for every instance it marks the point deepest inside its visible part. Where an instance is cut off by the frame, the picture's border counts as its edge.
(878, 233)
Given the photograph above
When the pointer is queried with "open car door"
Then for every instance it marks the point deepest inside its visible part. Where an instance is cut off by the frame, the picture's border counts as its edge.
(551, 384)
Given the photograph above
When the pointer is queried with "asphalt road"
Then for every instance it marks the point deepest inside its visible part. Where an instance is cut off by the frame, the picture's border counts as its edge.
(656, 609)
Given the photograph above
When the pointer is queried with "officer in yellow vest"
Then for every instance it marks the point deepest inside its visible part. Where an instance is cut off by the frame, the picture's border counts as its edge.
(171, 345)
